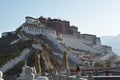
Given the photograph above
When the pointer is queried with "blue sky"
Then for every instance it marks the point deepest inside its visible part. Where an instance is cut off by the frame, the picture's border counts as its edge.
(98, 17)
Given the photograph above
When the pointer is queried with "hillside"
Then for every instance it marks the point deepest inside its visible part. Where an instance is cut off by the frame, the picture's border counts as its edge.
(13, 53)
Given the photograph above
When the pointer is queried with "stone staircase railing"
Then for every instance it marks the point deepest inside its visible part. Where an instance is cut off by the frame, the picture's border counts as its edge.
(11, 63)
(73, 58)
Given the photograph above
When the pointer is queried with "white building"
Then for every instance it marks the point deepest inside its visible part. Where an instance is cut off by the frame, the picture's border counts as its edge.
(8, 33)
(4, 34)
(38, 29)
(34, 27)
(115, 63)
(30, 20)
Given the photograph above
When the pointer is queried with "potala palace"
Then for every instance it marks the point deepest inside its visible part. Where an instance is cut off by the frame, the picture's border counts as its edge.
(64, 33)
(61, 36)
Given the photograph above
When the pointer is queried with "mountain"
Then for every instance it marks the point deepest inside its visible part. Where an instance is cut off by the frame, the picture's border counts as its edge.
(112, 41)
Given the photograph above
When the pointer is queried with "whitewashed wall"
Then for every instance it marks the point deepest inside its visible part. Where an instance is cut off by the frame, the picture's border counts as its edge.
(73, 58)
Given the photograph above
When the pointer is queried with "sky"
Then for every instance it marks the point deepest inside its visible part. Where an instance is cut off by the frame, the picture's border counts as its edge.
(98, 17)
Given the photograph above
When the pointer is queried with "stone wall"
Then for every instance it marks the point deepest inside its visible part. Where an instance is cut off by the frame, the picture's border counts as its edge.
(107, 78)
(106, 48)
(64, 77)
(11, 63)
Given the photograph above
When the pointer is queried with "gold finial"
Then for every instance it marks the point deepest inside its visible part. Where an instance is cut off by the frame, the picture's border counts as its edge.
(37, 63)
(65, 60)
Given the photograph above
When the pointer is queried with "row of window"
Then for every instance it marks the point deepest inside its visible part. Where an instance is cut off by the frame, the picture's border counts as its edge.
(42, 30)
